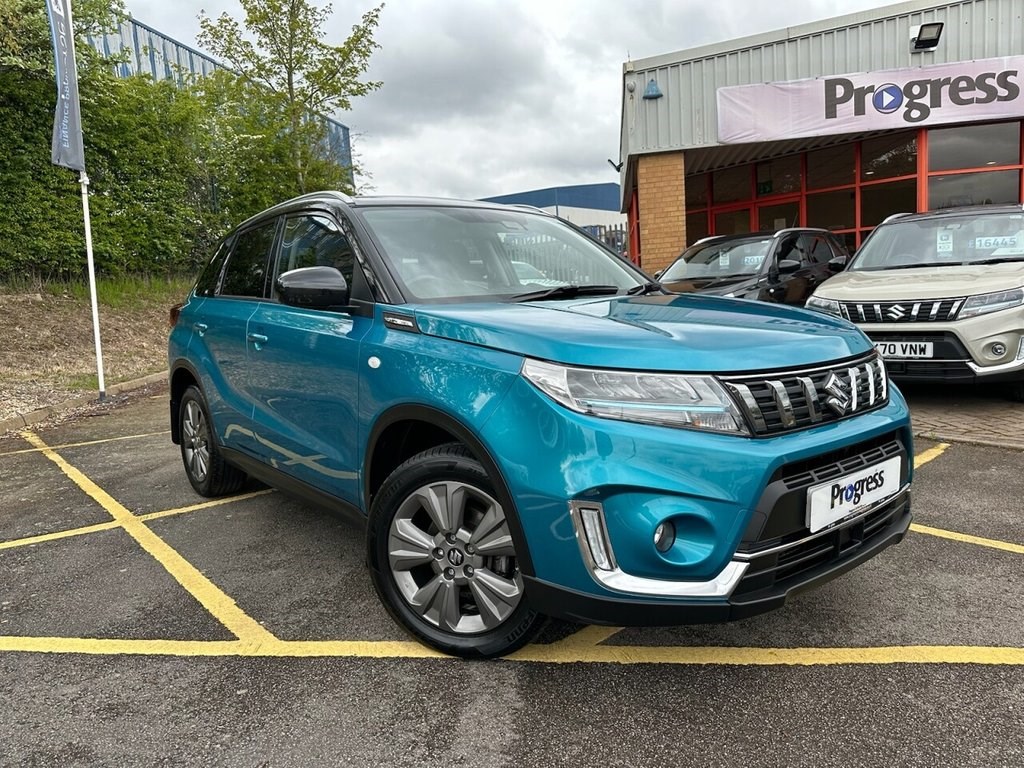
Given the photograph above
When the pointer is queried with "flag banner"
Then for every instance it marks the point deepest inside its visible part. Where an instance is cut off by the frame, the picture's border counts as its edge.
(66, 149)
(940, 94)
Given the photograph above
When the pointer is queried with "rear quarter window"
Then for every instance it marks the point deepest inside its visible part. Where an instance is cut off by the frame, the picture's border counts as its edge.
(209, 278)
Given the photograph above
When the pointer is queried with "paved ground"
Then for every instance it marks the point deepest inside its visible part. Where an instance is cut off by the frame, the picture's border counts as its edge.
(140, 625)
(980, 415)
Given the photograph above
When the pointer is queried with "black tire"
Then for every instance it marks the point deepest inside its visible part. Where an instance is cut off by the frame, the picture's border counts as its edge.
(207, 471)
(464, 571)
(1015, 392)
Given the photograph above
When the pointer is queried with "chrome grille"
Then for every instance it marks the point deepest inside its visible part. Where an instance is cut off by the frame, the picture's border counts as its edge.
(790, 400)
(932, 311)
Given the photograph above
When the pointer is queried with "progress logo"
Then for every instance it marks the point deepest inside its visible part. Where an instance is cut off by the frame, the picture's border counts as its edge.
(918, 98)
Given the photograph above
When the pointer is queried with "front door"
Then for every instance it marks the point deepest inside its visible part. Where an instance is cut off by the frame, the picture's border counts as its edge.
(304, 368)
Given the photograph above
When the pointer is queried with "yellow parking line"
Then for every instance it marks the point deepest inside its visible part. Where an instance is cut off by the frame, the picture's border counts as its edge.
(1006, 546)
(87, 442)
(272, 647)
(910, 654)
(30, 540)
(932, 453)
(44, 537)
(547, 654)
(219, 604)
(203, 505)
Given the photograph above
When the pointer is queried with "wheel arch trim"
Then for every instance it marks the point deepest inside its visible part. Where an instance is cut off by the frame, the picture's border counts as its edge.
(465, 435)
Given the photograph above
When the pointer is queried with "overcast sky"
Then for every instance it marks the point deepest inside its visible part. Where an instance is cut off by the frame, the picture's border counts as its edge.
(491, 97)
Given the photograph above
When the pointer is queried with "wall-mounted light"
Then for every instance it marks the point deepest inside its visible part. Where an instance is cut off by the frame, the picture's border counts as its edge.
(925, 37)
(652, 91)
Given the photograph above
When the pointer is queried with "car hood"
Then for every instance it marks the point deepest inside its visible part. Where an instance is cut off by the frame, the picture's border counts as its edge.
(922, 282)
(712, 286)
(655, 333)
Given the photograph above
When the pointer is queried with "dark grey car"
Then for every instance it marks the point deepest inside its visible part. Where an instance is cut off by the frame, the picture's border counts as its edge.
(783, 267)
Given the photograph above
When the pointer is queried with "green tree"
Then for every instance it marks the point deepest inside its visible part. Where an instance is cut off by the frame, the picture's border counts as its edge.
(301, 76)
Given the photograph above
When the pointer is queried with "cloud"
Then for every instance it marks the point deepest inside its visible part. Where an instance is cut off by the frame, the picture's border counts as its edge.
(489, 97)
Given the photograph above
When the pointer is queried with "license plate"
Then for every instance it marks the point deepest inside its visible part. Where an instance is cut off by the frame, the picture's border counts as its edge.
(828, 503)
(905, 349)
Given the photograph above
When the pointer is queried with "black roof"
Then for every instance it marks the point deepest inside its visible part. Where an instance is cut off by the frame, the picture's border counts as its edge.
(960, 210)
(331, 198)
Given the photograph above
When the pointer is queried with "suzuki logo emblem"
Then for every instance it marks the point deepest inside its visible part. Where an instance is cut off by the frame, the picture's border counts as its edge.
(838, 390)
(896, 312)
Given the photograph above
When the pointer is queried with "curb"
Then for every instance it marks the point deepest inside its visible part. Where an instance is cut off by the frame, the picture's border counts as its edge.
(1004, 445)
(42, 414)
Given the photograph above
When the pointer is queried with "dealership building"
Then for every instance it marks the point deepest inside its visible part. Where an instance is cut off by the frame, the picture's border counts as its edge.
(840, 123)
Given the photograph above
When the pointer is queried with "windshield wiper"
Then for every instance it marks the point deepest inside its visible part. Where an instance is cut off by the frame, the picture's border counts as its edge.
(994, 260)
(566, 292)
(915, 266)
(645, 288)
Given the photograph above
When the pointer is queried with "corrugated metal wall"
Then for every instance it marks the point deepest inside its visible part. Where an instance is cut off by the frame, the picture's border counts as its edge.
(686, 115)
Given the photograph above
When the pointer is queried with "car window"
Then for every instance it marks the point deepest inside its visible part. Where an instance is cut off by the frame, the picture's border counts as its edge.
(820, 252)
(448, 253)
(315, 241)
(247, 266)
(206, 285)
(720, 259)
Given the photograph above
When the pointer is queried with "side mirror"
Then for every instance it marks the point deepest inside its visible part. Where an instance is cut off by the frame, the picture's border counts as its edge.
(313, 287)
(658, 274)
(838, 264)
(788, 266)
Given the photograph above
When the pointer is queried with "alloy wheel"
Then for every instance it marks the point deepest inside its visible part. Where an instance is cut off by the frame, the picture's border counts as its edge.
(451, 555)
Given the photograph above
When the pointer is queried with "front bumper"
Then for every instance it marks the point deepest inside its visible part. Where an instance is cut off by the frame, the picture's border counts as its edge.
(738, 505)
(963, 349)
(766, 581)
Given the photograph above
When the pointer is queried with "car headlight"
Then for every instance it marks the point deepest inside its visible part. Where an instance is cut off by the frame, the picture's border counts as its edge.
(991, 302)
(828, 306)
(670, 400)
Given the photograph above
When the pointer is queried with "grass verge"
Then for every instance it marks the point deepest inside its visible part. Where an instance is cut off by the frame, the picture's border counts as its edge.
(48, 353)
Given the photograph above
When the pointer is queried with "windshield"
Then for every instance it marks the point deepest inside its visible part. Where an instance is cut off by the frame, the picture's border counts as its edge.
(944, 241)
(458, 254)
(732, 258)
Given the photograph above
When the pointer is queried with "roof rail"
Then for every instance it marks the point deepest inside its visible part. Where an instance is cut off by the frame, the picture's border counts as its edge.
(895, 216)
(527, 207)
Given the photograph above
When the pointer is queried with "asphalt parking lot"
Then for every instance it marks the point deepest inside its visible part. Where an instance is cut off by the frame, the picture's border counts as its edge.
(143, 625)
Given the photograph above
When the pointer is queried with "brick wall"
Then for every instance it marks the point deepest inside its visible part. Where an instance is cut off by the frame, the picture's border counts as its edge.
(662, 209)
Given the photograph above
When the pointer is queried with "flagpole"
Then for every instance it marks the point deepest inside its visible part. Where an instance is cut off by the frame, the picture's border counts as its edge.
(84, 179)
(67, 148)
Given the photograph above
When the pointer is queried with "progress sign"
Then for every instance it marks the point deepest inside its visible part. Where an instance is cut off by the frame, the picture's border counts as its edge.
(897, 98)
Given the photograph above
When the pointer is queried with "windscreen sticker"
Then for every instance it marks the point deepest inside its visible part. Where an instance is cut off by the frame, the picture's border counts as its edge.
(987, 243)
(723, 259)
(944, 241)
(751, 261)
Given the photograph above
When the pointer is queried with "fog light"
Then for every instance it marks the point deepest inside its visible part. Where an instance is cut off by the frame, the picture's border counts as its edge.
(664, 537)
(998, 349)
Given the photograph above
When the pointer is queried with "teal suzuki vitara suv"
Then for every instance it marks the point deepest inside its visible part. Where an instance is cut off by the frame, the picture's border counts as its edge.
(580, 445)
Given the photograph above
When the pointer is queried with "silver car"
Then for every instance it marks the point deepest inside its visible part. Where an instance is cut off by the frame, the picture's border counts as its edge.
(941, 294)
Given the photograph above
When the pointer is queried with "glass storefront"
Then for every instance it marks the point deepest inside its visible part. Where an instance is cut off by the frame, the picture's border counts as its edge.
(851, 188)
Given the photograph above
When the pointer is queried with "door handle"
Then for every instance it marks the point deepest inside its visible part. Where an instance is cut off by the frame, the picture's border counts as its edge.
(257, 339)
(200, 328)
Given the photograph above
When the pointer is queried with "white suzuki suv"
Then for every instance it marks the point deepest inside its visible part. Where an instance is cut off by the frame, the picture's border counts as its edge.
(941, 295)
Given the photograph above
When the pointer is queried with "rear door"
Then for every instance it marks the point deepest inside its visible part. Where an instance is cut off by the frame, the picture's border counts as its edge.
(304, 366)
(219, 335)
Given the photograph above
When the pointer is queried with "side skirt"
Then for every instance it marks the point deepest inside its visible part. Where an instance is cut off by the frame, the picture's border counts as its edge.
(288, 484)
